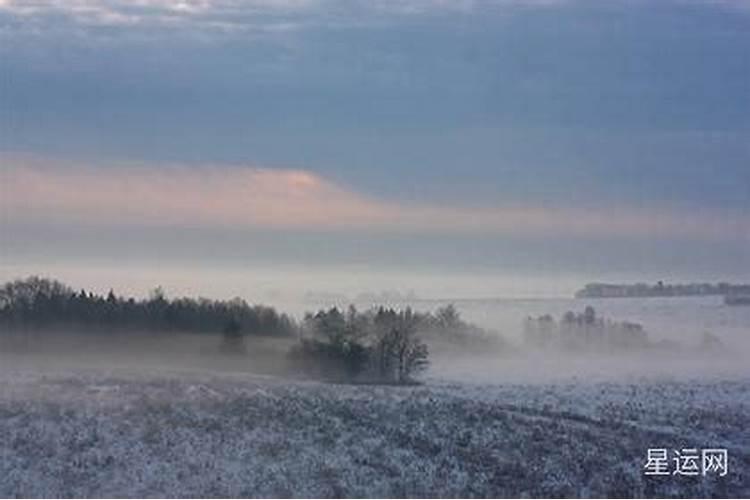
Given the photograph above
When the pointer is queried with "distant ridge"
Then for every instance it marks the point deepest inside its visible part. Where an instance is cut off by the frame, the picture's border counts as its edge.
(660, 289)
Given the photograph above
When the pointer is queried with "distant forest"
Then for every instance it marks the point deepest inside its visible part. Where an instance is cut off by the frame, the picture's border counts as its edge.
(660, 289)
(40, 303)
(381, 345)
(584, 331)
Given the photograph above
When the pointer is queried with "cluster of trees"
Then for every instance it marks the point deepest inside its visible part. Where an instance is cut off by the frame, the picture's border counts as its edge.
(378, 345)
(583, 331)
(39, 303)
(446, 326)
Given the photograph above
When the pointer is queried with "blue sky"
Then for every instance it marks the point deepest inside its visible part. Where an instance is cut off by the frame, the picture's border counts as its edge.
(625, 108)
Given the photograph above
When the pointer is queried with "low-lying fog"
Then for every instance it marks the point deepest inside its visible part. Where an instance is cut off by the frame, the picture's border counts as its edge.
(682, 322)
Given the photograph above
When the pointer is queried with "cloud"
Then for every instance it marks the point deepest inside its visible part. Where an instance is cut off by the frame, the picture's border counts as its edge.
(224, 16)
(212, 20)
(88, 16)
(129, 10)
(35, 190)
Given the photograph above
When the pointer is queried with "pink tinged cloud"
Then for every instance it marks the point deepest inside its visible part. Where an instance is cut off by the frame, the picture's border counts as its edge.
(249, 197)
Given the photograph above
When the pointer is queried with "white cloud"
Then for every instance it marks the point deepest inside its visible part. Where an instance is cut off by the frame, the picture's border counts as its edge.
(219, 15)
(236, 15)
(86, 10)
(255, 16)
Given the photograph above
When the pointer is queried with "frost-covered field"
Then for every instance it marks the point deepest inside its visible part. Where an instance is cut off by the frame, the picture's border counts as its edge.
(93, 433)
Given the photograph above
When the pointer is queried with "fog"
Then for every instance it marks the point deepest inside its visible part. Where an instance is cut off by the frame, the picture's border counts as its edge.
(100, 412)
(556, 367)
(136, 352)
(675, 327)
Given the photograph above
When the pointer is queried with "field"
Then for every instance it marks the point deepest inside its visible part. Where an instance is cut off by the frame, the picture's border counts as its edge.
(123, 433)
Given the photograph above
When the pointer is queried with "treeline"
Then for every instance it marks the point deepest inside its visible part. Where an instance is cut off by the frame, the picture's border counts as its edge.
(583, 332)
(660, 289)
(378, 345)
(39, 303)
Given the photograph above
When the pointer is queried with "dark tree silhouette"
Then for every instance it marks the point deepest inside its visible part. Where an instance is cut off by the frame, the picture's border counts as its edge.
(233, 338)
(378, 345)
(39, 303)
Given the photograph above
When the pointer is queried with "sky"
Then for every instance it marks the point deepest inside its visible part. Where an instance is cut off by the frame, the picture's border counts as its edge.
(454, 148)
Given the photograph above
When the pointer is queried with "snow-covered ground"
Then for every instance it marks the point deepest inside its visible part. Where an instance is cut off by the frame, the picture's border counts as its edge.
(118, 433)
